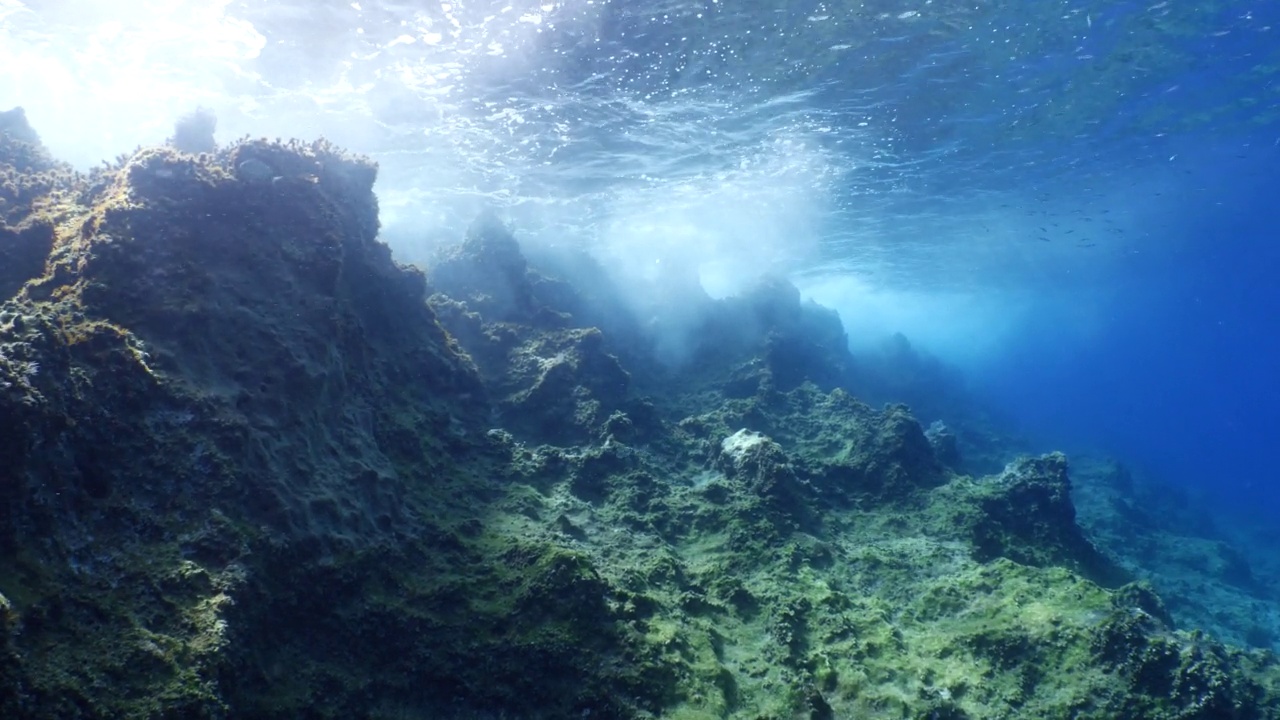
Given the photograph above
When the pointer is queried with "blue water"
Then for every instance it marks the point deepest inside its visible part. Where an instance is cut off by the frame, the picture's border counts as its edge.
(1181, 377)
(1073, 203)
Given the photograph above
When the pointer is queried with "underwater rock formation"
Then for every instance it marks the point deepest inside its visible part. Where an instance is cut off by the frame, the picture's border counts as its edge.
(1026, 514)
(552, 381)
(1207, 579)
(254, 468)
(27, 176)
(193, 132)
(769, 341)
(233, 431)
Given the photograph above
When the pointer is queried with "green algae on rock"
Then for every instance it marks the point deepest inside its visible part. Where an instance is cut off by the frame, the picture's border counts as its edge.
(1026, 514)
(254, 468)
(246, 440)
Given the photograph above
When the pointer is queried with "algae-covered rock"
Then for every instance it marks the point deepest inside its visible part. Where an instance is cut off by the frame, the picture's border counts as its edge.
(765, 470)
(27, 176)
(254, 468)
(766, 339)
(1026, 514)
(1161, 674)
(239, 456)
(22, 254)
(946, 447)
(889, 457)
(489, 273)
(1207, 578)
(553, 382)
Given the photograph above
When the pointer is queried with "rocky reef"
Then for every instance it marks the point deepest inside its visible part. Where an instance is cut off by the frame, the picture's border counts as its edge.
(252, 467)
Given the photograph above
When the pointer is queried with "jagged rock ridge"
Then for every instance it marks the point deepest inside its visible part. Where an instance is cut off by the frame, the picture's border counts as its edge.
(256, 469)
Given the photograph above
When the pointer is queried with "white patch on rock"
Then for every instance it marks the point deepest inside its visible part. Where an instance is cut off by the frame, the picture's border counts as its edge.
(737, 445)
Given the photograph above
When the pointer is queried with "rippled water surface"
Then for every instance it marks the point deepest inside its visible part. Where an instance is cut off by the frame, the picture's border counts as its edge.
(867, 135)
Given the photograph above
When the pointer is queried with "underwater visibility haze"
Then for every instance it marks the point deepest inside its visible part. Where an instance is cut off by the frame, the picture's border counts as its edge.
(1052, 222)
(1068, 200)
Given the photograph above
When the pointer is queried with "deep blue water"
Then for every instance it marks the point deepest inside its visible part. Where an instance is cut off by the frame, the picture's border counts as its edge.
(1071, 202)
(1181, 379)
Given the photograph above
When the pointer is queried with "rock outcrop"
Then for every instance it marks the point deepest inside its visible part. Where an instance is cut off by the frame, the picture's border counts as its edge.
(251, 467)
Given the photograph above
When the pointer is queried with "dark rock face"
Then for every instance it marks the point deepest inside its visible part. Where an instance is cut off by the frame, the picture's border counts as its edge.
(564, 384)
(1026, 515)
(552, 381)
(27, 174)
(265, 320)
(894, 456)
(1170, 676)
(771, 341)
(852, 452)
(227, 410)
(488, 272)
(945, 445)
(22, 254)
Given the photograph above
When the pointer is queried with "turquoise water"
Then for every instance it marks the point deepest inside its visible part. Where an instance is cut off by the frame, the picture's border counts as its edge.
(1070, 202)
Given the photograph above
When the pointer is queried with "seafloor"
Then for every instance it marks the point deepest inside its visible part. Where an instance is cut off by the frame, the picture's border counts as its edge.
(250, 467)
